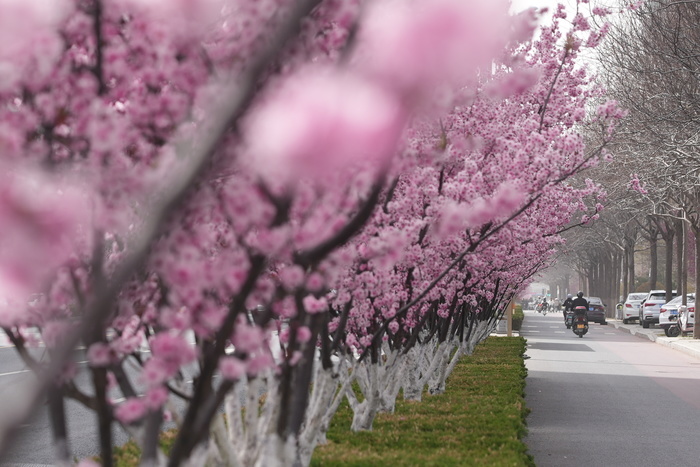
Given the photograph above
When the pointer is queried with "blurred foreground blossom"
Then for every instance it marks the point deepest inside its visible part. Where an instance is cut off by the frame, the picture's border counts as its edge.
(42, 223)
(30, 40)
(323, 120)
(418, 45)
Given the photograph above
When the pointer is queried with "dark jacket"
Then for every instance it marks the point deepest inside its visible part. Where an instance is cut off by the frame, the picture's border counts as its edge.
(579, 302)
(567, 303)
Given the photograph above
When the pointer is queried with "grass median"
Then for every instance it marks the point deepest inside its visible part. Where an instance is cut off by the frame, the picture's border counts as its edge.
(479, 420)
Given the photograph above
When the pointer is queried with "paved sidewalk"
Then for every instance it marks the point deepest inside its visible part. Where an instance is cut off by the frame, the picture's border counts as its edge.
(686, 345)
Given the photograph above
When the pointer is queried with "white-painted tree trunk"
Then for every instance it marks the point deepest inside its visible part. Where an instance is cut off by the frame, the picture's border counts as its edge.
(481, 331)
(418, 357)
(322, 407)
(437, 377)
(380, 385)
(277, 452)
(348, 378)
(223, 444)
(393, 383)
(364, 412)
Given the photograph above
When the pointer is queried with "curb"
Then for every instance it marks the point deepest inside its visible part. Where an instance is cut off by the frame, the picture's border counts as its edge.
(646, 335)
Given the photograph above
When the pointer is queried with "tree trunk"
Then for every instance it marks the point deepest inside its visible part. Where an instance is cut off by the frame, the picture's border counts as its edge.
(684, 268)
(276, 452)
(653, 261)
(625, 272)
(366, 411)
(680, 247)
(696, 330)
(632, 286)
(616, 279)
(669, 263)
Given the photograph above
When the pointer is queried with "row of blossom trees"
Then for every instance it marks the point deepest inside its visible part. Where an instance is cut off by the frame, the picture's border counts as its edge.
(285, 198)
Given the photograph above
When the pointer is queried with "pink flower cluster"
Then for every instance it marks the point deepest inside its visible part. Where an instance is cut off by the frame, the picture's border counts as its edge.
(169, 352)
(340, 120)
(636, 184)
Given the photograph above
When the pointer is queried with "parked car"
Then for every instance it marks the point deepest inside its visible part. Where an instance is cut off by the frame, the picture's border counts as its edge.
(596, 310)
(669, 314)
(630, 309)
(651, 306)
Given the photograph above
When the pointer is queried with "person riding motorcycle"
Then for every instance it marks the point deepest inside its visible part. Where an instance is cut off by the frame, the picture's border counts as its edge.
(567, 304)
(579, 301)
(580, 317)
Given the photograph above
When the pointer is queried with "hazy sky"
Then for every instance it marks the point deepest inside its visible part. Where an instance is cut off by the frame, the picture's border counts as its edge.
(519, 5)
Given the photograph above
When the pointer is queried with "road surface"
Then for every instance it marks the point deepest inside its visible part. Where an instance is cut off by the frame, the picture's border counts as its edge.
(33, 444)
(608, 399)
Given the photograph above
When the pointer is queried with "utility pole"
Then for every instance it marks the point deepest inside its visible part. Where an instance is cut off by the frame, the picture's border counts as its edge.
(509, 318)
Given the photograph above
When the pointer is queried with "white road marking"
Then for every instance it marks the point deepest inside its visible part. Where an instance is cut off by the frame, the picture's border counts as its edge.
(9, 373)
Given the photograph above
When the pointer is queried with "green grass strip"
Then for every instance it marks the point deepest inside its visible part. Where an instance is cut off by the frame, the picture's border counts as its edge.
(479, 420)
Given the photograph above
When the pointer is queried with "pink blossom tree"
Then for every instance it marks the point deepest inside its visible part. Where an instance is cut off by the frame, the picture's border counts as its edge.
(287, 197)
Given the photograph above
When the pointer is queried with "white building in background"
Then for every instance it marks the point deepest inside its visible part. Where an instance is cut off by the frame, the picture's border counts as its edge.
(536, 289)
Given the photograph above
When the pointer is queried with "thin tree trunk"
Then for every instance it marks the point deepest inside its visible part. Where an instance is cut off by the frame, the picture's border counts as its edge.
(152, 428)
(104, 415)
(625, 272)
(653, 261)
(632, 286)
(684, 268)
(58, 426)
(696, 329)
(680, 247)
(669, 264)
(616, 279)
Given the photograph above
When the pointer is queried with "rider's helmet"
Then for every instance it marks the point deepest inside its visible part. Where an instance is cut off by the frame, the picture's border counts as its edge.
(569, 296)
(579, 295)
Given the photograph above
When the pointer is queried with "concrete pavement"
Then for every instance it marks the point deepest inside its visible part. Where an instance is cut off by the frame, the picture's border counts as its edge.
(687, 345)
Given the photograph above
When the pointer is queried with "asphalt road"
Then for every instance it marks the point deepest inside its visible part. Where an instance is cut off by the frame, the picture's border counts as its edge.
(608, 399)
(33, 444)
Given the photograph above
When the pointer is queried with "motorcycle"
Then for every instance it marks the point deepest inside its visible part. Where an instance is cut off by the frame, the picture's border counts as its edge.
(580, 322)
(569, 318)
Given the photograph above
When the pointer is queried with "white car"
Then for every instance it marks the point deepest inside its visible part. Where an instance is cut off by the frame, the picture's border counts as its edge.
(669, 314)
(651, 306)
(630, 309)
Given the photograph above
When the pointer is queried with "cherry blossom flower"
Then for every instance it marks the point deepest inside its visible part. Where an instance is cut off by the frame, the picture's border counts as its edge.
(100, 355)
(130, 411)
(155, 398)
(232, 368)
(315, 305)
(340, 119)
